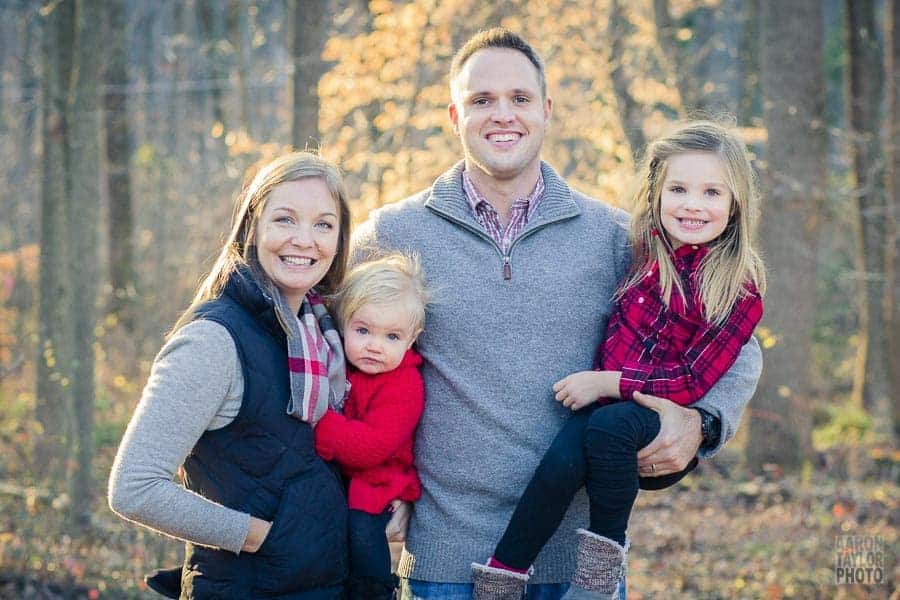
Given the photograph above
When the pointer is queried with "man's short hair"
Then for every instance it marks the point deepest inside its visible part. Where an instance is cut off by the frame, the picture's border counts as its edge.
(498, 37)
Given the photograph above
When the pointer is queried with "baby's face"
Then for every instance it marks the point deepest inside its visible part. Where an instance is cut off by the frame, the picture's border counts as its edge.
(378, 335)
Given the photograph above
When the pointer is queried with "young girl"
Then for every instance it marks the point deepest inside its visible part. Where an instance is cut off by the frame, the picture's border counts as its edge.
(690, 303)
(381, 311)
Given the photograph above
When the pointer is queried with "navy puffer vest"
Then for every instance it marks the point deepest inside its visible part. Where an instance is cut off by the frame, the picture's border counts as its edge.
(264, 463)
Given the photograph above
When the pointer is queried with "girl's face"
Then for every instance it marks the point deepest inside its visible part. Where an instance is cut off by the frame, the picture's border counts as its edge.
(297, 236)
(696, 202)
(378, 335)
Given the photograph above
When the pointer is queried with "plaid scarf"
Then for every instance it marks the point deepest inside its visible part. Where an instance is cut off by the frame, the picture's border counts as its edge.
(315, 358)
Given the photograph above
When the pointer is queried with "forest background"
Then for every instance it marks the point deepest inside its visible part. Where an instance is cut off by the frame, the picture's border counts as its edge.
(128, 127)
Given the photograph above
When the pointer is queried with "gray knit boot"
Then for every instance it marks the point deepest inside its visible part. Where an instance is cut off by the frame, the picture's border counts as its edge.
(600, 567)
(490, 583)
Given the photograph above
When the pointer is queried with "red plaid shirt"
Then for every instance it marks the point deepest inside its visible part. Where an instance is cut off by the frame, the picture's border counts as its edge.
(522, 209)
(672, 352)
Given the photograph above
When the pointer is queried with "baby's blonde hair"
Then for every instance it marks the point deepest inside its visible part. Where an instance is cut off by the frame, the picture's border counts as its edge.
(395, 277)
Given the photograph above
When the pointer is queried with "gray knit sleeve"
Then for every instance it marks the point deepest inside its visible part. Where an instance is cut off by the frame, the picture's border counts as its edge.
(728, 398)
(195, 384)
(365, 243)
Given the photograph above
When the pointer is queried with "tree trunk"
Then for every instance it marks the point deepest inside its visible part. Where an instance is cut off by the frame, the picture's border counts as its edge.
(705, 65)
(83, 208)
(793, 87)
(54, 327)
(239, 31)
(310, 28)
(892, 162)
(678, 67)
(212, 31)
(723, 68)
(631, 114)
(871, 387)
(24, 292)
(119, 149)
(750, 107)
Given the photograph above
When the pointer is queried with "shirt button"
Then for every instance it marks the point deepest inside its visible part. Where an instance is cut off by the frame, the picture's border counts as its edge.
(640, 299)
(694, 247)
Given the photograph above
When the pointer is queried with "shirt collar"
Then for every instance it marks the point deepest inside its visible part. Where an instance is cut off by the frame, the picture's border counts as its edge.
(475, 198)
(689, 254)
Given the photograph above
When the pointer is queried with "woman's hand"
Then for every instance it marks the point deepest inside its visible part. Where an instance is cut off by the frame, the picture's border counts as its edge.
(256, 535)
(580, 389)
(397, 526)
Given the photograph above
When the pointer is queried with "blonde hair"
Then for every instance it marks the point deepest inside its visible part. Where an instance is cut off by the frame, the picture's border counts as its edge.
(240, 247)
(732, 260)
(395, 277)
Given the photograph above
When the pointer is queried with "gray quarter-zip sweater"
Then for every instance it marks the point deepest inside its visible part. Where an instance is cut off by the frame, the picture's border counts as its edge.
(503, 329)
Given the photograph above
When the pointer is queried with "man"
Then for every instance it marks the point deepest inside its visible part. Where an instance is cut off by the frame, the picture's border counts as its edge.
(524, 269)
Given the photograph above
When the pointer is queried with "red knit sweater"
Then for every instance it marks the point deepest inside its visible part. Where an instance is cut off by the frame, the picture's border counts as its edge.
(373, 439)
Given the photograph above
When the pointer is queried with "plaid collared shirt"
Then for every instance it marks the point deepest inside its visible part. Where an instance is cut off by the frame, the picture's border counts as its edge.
(486, 215)
(673, 352)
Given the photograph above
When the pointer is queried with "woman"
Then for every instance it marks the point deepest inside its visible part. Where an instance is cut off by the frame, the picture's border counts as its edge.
(249, 367)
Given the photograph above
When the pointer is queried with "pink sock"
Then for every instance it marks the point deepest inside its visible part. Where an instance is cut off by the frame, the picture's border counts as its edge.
(496, 564)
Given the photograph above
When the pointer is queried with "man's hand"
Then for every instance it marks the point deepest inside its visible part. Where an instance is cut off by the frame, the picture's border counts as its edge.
(580, 389)
(678, 440)
(397, 526)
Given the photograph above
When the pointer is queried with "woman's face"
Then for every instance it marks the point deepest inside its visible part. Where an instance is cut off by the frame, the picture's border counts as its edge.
(297, 236)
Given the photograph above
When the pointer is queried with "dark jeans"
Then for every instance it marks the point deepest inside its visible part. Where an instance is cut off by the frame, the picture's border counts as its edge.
(596, 448)
(370, 556)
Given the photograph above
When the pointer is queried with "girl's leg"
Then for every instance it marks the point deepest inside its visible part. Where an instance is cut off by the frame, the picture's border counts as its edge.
(546, 499)
(370, 557)
(613, 437)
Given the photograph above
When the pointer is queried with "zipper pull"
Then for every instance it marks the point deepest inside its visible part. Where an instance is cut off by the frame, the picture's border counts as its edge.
(507, 269)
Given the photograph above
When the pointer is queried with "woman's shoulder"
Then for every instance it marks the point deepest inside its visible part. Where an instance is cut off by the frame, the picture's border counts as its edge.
(200, 350)
(203, 335)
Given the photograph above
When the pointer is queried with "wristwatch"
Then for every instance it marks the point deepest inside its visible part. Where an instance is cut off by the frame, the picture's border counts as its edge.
(710, 429)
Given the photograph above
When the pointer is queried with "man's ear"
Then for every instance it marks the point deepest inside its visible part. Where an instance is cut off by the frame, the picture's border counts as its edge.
(454, 117)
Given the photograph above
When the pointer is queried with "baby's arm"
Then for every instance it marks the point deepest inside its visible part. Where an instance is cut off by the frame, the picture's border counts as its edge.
(391, 419)
(709, 355)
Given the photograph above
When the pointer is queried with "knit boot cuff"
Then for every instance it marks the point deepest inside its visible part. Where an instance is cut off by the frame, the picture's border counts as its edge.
(601, 562)
(494, 571)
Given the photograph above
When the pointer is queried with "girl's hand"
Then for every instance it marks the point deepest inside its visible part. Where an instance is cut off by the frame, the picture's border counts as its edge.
(580, 389)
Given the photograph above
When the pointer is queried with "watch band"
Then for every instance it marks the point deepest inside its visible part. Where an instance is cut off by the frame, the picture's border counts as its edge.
(710, 429)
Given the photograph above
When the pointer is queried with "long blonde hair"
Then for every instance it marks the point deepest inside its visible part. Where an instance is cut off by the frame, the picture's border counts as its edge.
(240, 247)
(732, 260)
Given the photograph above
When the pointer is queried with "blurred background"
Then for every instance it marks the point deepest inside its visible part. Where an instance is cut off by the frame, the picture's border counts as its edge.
(127, 128)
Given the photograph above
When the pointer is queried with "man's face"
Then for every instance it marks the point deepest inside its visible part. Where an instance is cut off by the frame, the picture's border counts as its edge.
(499, 113)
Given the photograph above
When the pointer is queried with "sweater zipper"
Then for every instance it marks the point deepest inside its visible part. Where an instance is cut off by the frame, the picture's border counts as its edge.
(506, 258)
(507, 265)
(482, 235)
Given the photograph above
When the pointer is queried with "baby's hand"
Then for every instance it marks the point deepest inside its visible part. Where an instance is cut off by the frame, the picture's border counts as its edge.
(579, 389)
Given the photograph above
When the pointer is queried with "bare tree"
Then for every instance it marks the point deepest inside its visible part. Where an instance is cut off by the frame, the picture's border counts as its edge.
(631, 113)
(82, 208)
(892, 161)
(53, 380)
(871, 387)
(309, 18)
(794, 177)
(119, 149)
